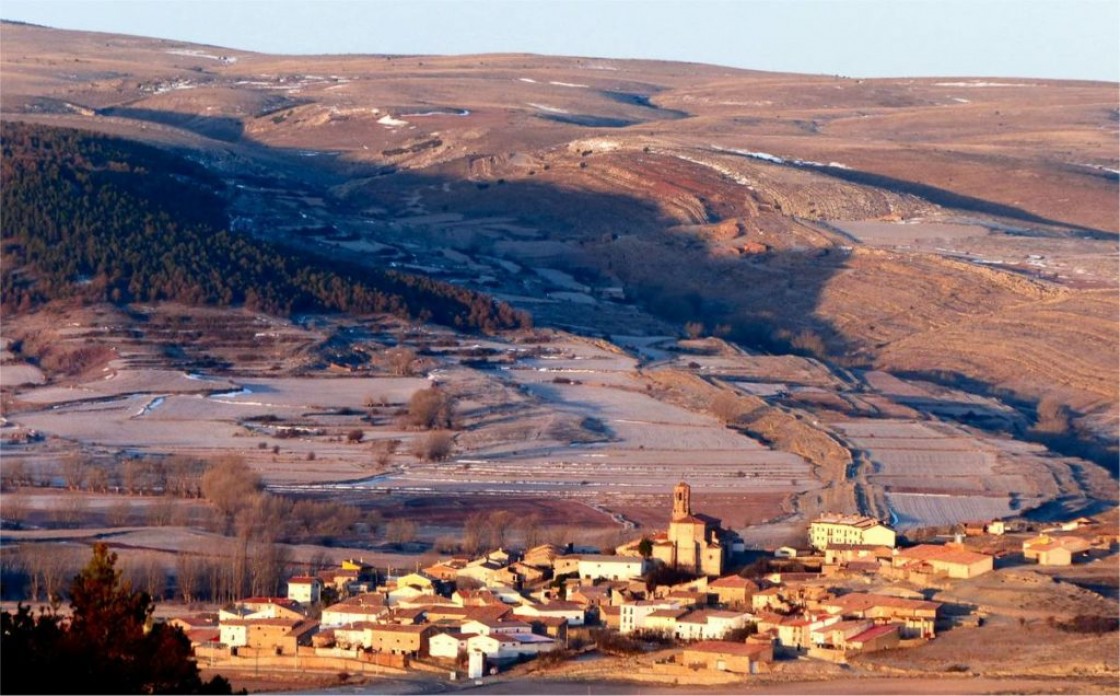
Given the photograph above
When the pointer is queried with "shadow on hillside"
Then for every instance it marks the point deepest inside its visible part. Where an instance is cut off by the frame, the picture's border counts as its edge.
(222, 128)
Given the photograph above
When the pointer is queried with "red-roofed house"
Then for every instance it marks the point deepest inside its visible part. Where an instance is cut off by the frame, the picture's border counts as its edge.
(951, 559)
(733, 590)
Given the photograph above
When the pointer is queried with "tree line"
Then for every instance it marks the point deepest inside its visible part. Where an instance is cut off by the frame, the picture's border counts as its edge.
(98, 218)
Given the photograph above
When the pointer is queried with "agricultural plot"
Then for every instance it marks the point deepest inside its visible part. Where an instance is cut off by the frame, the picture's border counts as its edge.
(934, 464)
(925, 509)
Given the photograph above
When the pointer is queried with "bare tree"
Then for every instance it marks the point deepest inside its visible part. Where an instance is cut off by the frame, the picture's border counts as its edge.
(383, 451)
(118, 514)
(49, 568)
(13, 473)
(436, 446)
(500, 523)
(160, 512)
(69, 511)
(16, 508)
(229, 484)
(74, 471)
(530, 528)
(400, 361)
(476, 532)
(189, 571)
(98, 479)
(267, 563)
(400, 531)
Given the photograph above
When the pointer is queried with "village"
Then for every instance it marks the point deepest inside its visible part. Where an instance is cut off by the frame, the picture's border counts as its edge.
(853, 589)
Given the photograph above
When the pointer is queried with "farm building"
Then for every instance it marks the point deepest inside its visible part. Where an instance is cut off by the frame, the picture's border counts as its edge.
(721, 656)
(917, 617)
(951, 559)
(1054, 550)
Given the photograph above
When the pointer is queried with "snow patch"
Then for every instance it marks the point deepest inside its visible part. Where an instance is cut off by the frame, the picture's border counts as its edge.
(388, 120)
(567, 84)
(549, 109)
(527, 79)
(982, 84)
(961, 100)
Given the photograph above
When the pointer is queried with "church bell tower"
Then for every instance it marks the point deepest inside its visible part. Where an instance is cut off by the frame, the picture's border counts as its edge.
(682, 503)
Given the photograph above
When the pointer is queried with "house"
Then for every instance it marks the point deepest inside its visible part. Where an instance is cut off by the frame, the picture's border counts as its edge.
(733, 591)
(611, 617)
(710, 624)
(448, 645)
(365, 607)
(282, 636)
(305, 589)
(199, 630)
(510, 646)
(836, 635)
(400, 640)
(849, 529)
(445, 571)
(1054, 550)
(565, 565)
(873, 639)
(663, 621)
(542, 556)
(725, 656)
(949, 559)
(632, 616)
(770, 599)
(457, 615)
(589, 595)
(846, 554)
(488, 627)
(419, 580)
(917, 618)
(996, 528)
(474, 598)
(481, 571)
(264, 608)
(572, 613)
(596, 566)
(794, 631)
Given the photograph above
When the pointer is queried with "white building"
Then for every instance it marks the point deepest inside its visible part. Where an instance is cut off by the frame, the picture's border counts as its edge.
(447, 645)
(305, 589)
(849, 529)
(595, 566)
(569, 611)
(710, 625)
(632, 616)
(505, 646)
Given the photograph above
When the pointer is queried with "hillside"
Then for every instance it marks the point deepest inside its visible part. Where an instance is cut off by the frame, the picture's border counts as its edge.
(958, 234)
(103, 219)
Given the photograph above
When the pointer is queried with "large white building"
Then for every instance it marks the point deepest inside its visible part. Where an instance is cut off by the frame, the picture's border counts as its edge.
(830, 529)
(594, 567)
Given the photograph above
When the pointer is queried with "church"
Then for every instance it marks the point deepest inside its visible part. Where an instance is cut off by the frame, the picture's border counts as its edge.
(694, 542)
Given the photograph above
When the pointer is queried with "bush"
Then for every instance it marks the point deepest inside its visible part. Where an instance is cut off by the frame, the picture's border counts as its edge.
(430, 409)
(1090, 623)
(436, 446)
